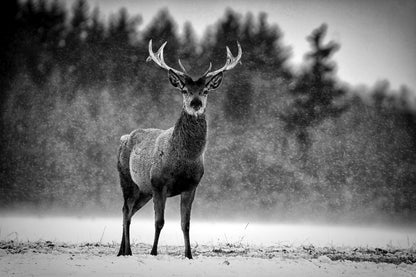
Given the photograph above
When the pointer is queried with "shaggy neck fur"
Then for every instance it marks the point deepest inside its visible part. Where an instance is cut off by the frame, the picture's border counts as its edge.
(189, 136)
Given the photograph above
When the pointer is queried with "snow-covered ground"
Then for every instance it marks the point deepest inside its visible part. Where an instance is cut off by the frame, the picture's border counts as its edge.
(64, 246)
(108, 230)
(164, 265)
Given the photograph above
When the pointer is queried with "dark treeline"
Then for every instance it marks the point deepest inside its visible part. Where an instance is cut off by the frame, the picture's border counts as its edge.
(282, 143)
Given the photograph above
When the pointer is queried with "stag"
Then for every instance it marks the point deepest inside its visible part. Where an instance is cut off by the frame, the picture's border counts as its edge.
(154, 163)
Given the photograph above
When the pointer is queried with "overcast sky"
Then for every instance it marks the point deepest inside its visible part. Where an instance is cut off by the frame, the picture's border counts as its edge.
(377, 37)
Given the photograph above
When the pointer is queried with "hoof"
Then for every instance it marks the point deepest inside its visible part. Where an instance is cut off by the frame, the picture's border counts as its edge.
(124, 253)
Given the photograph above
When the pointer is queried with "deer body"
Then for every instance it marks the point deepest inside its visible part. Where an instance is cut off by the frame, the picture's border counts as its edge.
(173, 157)
(154, 163)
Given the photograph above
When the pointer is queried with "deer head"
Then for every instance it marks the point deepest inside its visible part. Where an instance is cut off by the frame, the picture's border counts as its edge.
(194, 92)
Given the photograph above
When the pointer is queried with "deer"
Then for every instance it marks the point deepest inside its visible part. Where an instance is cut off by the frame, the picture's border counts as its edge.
(155, 163)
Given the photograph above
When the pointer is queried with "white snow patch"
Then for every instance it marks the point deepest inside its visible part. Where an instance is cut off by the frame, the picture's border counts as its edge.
(108, 230)
(324, 259)
(163, 265)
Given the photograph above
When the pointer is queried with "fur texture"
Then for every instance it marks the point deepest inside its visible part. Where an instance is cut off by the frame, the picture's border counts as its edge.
(161, 163)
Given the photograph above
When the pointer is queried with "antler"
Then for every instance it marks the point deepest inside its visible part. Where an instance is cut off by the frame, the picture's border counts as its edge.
(159, 60)
(209, 68)
(181, 65)
(230, 63)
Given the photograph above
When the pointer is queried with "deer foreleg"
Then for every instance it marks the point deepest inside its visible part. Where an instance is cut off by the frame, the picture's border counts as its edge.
(159, 200)
(187, 198)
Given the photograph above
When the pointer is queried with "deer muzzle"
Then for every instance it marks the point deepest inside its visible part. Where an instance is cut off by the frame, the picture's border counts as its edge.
(196, 104)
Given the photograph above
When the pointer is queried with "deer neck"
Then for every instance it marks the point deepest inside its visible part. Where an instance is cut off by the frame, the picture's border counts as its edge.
(189, 136)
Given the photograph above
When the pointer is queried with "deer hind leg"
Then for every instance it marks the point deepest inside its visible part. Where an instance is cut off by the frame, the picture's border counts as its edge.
(187, 198)
(129, 209)
(133, 201)
(125, 238)
(159, 200)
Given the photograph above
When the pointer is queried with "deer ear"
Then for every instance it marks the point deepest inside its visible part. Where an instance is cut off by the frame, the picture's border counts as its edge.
(176, 80)
(215, 82)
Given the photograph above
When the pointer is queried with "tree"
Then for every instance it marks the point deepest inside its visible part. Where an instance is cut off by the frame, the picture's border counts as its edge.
(264, 51)
(227, 32)
(8, 28)
(95, 56)
(162, 28)
(238, 97)
(315, 91)
(188, 48)
(78, 22)
(75, 41)
(263, 54)
(121, 31)
(41, 27)
(238, 94)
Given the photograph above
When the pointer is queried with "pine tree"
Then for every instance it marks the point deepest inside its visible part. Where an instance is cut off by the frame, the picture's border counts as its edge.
(95, 55)
(227, 32)
(162, 28)
(75, 41)
(188, 49)
(238, 94)
(121, 32)
(315, 91)
(269, 55)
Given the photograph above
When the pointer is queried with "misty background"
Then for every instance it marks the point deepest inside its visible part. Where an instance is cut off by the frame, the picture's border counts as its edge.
(284, 142)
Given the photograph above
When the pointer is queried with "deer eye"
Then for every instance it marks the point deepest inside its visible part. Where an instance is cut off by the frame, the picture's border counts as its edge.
(184, 90)
(205, 91)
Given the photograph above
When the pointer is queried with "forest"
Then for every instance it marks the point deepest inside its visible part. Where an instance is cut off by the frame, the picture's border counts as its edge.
(284, 143)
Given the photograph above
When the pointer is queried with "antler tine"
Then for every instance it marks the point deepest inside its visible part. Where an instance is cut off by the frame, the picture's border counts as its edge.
(181, 65)
(231, 61)
(158, 58)
(209, 68)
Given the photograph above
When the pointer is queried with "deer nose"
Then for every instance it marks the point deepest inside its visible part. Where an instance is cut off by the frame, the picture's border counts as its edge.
(196, 104)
